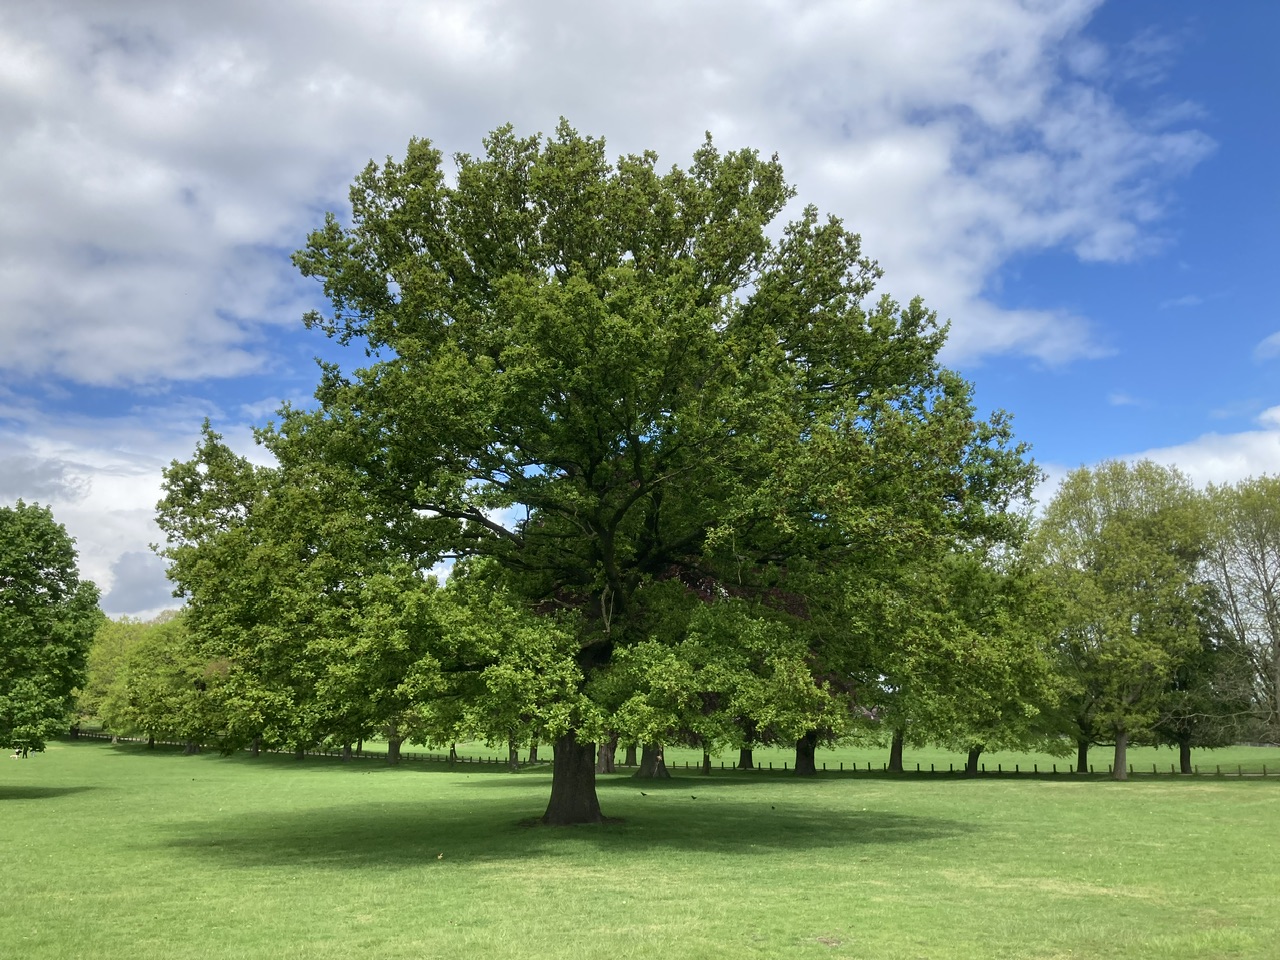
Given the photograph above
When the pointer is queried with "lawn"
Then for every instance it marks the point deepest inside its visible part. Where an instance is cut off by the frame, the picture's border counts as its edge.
(120, 852)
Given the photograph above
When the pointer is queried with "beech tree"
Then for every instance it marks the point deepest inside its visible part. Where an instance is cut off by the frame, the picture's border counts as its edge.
(1124, 544)
(637, 414)
(47, 619)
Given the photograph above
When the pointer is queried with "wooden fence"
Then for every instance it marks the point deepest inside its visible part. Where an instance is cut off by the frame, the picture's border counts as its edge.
(764, 767)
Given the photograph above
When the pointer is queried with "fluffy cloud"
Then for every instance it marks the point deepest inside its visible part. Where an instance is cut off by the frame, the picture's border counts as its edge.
(161, 159)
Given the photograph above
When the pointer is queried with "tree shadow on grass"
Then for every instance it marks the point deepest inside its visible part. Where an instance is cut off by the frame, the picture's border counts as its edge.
(404, 835)
(24, 792)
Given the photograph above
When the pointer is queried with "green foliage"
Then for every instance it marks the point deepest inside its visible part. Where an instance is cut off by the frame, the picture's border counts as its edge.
(47, 619)
(613, 385)
(1123, 544)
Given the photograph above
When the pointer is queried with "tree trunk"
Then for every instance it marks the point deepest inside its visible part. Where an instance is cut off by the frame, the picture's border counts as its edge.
(513, 756)
(346, 753)
(75, 731)
(971, 763)
(300, 753)
(393, 748)
(533, 751)
(453, 753)
(115, 738)
(895, 750)
(573, 784)
(360, 747)
(630, 760)
(1184, 754)
(706, 762)
(151, 741)
(605, 757)
(1120, 769)
(1082, 755)
(192, 747)
(255, 746)
(806, 747)
(652, 764)
(745, 760)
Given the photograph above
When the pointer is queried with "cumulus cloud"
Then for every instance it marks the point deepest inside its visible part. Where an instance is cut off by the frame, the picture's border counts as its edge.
(138, 586)
(160, 160)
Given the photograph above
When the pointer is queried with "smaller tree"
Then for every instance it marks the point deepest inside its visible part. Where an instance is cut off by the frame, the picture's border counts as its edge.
(47, 619)
(1123, 544)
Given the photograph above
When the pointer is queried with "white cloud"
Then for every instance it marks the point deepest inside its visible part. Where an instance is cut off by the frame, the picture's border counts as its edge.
(160, 159)
(1268, 348)
(1224, 458)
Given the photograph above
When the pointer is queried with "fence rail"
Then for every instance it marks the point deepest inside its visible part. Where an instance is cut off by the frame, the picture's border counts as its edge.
(763, 767)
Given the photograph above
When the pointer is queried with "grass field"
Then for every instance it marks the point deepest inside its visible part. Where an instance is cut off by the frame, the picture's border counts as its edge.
(120, 852)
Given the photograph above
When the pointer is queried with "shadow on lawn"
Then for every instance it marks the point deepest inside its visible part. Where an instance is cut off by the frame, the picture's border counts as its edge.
(13, 791)
(408, 835)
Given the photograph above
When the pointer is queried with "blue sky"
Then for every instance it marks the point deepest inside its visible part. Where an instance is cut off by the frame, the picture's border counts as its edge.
(1086, 190)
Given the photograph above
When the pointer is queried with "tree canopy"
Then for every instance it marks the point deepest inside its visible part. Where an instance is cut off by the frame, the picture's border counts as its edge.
(654, 426)
(47, 619)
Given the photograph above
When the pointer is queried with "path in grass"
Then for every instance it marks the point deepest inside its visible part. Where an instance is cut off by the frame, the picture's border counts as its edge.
(120, 852)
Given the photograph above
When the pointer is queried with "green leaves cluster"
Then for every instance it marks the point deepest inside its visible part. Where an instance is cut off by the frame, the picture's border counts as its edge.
(47, 618)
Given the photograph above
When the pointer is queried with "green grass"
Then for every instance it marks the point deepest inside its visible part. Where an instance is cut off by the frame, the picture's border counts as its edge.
(120, 852)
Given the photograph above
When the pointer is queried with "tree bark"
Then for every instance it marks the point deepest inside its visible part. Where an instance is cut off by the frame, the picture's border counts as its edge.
(192, 747)
(255, 746)
(706, 762)
(605, 756)
(895, 750)
(393, 747)
(533, 751)
(745, 760)
(652, 764)
(151, 741)
(971, 763)
(1082, 755)
(513, 756)
(630, 760)
(360, 747)
(806, 747)
(1120, 768)
(300, 753)
(1184, 754)
(573, 784)
(453, 753)
(346, 753)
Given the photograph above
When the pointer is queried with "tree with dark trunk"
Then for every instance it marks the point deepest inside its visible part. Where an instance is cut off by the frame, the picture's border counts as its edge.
(806, 749)
(746, 760)
(895, 749)
(605, 756)
(573, 777)
(1120, 765)
(636, 411)
(533, 752)
(1082, 755)
(653, 766)
(971, 761)
(513, 756)
(630, 760)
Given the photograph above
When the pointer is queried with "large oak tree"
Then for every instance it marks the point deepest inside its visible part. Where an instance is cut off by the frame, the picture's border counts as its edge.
(630, 396)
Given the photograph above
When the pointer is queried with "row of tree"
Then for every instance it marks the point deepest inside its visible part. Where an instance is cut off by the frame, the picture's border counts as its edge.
(1138, 609)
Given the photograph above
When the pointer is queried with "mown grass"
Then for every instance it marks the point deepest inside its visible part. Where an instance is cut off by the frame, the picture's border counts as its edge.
(122, 852)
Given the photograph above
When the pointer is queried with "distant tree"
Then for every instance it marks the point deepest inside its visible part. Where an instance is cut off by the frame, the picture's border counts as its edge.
(48, 616)
(168, 688)
(1209, 700)
(1123, 544)
(1244, 564)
